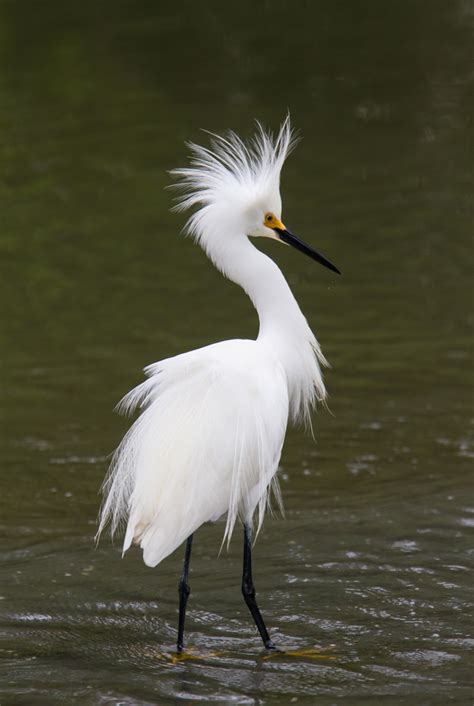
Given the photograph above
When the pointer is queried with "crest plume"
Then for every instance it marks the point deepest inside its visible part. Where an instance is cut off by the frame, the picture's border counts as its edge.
(231, 167)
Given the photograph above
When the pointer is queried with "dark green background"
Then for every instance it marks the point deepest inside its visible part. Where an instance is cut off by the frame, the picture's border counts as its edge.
(371, 564)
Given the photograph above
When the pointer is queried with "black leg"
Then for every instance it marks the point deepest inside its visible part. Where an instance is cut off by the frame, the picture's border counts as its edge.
(184, 592)
(248, 590)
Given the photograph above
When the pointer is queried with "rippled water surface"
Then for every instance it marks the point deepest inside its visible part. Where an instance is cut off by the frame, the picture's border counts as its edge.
(367, 583)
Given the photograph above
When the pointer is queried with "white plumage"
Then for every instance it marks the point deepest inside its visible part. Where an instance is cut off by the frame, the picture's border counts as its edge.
(213, 421)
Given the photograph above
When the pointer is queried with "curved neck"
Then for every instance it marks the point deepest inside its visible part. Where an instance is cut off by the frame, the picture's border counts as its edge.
(282, 325)
(263, 281)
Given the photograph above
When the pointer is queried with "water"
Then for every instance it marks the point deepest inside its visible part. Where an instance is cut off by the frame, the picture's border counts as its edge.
(367, 583)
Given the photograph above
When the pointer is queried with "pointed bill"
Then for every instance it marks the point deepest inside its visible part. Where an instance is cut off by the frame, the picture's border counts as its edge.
(287, 236)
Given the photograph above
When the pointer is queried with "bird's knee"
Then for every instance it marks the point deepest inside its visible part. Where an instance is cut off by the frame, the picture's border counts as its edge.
(248, 590)
(184, 588)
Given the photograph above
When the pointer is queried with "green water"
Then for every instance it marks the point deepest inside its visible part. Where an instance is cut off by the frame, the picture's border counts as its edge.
(373, 564)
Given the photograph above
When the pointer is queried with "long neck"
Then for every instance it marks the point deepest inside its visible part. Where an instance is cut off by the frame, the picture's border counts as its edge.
(282, 324)
(264, 283)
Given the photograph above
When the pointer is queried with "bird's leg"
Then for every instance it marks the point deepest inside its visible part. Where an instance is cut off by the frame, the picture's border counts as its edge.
(248, 590)
(184, 591)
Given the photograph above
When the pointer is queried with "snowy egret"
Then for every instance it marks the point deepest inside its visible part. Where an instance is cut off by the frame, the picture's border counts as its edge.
(209, 437)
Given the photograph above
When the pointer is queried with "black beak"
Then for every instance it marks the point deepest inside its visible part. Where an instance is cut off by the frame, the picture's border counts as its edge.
(287, 237)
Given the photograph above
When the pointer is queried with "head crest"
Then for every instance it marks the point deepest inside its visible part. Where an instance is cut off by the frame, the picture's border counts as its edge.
(231, 169)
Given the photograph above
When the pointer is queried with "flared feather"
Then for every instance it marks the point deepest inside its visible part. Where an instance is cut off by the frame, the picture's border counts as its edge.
(196, 453)
(231, 172)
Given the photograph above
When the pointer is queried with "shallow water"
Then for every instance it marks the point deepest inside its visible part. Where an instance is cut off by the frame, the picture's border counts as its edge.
(367, 583)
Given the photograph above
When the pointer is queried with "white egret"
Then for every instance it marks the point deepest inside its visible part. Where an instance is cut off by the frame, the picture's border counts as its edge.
(213, 421)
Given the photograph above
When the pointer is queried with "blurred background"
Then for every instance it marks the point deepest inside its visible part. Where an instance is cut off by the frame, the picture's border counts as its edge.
(368, 574)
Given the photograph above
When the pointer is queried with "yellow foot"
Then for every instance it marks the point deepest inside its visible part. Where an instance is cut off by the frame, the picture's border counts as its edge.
(315, 653)
(188, 655)
(183, 657)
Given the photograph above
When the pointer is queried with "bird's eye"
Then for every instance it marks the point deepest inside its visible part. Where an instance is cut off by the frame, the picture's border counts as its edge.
(269, 218)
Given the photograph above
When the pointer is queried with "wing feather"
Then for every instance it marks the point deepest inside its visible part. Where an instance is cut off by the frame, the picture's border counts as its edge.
(208, 441)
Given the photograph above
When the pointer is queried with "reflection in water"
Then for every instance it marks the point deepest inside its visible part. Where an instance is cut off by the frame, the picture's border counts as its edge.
(368, 577)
